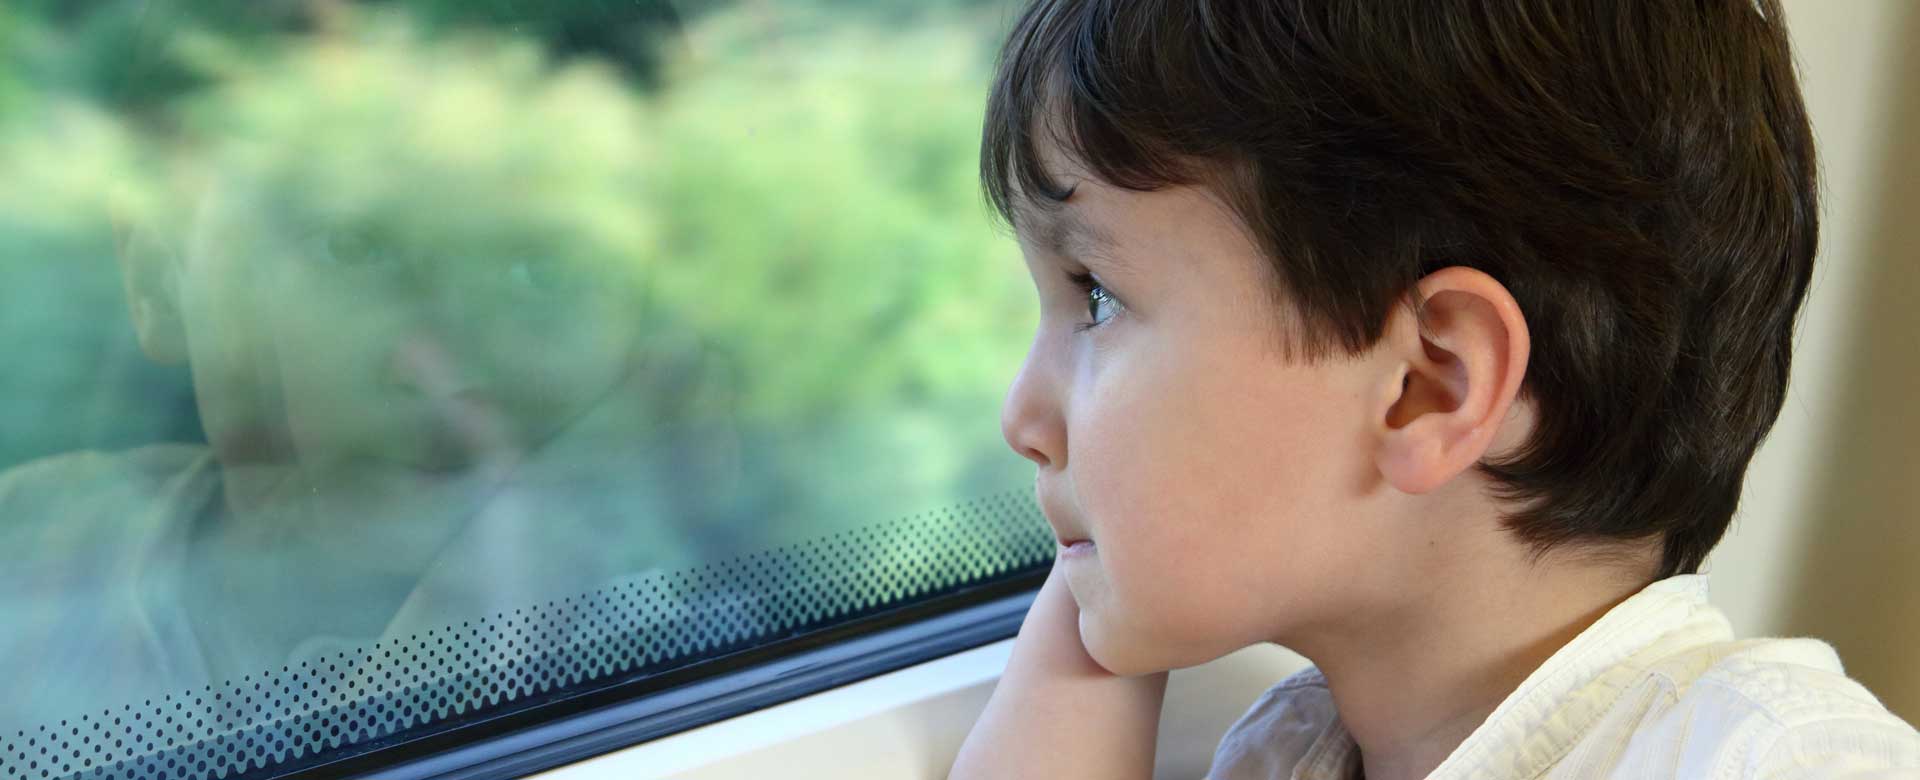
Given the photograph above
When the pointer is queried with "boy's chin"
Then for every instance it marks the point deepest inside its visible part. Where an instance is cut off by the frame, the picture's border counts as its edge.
(1127, 655)
(1120, 656)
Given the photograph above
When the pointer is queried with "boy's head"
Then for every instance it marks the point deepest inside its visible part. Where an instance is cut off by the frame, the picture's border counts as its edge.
(1365, 270)
(369, 296)
(359, 343)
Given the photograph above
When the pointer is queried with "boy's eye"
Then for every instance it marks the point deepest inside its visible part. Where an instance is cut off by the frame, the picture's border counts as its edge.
(1101, 305)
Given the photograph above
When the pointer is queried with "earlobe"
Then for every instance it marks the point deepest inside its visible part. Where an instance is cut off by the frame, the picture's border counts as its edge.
(1454, 378)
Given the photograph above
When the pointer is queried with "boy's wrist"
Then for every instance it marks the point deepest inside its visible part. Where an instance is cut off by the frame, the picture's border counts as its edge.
(1050, 634)
(1057, 713)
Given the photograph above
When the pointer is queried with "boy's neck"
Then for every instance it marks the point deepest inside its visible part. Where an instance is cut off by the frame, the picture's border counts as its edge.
(1412, 683)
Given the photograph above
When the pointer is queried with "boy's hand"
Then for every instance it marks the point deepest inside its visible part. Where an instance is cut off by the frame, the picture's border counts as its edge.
(1056, 713)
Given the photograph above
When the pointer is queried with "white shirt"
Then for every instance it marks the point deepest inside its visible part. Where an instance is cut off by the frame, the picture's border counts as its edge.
(1657, 688)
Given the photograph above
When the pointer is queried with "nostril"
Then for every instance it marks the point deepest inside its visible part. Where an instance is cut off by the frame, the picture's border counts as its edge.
(1027, 436)
(1032, 453)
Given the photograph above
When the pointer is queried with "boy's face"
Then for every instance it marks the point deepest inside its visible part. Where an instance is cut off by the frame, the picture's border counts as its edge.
(346, 350)
(1226, 489)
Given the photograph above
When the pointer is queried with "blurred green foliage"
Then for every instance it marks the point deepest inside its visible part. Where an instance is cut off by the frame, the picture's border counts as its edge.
(790, 186)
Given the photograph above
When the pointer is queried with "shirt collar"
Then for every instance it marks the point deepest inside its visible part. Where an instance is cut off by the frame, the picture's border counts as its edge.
(1562, 699)
(1543, 718)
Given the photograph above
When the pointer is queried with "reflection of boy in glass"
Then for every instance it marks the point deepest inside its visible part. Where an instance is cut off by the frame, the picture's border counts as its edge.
(409, 287)
(408, 428)
(367, 393)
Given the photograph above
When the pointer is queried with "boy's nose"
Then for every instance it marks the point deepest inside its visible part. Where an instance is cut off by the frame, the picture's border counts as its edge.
(1030, 417)
(422, 365)
(467, 427)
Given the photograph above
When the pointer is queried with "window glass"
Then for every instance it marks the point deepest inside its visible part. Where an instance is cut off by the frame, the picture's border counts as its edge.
(375, 366)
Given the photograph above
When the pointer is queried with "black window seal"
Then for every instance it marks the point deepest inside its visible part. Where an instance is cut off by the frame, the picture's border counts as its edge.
(601, 721)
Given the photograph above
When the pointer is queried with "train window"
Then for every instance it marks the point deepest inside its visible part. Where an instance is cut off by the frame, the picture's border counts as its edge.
(387, 375)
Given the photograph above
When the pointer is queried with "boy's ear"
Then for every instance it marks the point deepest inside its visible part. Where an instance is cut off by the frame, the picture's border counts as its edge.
(149, 272)
(1452, 381)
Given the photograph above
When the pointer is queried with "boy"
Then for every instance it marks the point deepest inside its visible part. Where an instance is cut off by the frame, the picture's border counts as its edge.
(1430, 340)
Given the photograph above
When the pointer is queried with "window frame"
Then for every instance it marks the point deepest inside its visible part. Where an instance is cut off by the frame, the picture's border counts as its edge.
(608, 719)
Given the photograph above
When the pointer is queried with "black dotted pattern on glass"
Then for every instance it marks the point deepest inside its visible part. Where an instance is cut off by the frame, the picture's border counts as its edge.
(276, 722)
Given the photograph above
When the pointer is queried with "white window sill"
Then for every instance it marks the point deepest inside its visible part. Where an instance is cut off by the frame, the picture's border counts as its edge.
(910, 723)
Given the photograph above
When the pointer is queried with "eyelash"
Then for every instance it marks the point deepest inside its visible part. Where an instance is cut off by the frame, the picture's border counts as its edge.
(1090, 285)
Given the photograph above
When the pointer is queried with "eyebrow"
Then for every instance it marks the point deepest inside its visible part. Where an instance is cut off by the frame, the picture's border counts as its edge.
(1064, 233)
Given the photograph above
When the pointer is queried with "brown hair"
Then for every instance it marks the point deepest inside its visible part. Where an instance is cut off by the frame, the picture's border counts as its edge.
(1640, 175)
